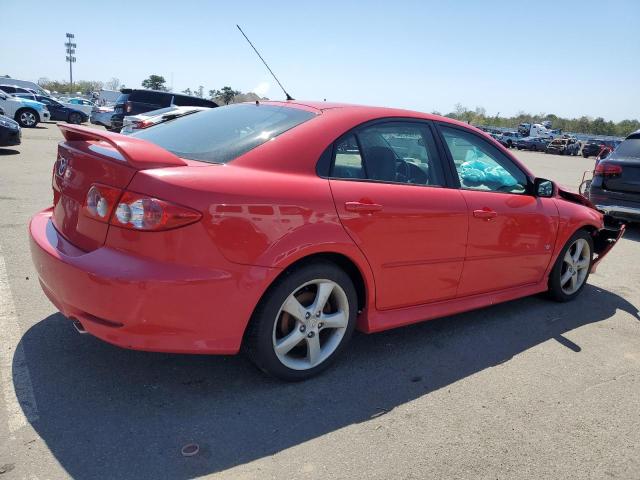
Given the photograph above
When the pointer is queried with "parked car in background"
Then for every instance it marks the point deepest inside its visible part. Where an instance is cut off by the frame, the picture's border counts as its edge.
(81, 104)
(508, 139)
(156, 117)
(31, 86)
(134, 102)
(273, 226)
(563, 146)
(536, 144)
(102, 116)
(57, 110)
(28, 113)
(13, 89)
(9, 132)
(615, 187)
(594, 146)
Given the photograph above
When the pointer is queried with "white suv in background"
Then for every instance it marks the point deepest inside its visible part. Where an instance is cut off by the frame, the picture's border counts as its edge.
(28, 113)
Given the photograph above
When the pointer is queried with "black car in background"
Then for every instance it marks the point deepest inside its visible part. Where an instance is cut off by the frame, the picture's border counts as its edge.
(9, 132)
(615, 187)
(535, 144)
(57, 110)
(592, 147)
(134, 102)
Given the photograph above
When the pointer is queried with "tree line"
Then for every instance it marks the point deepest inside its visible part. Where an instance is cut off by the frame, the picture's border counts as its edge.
(83, 86)
(584, 124)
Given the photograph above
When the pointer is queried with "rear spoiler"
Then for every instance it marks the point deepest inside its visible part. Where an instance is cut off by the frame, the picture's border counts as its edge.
(139, 154)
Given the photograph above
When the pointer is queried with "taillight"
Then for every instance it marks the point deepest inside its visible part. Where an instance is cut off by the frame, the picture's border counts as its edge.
(139, 212)
(100, 202)
(604, 169)
(134, 210)
(128, 106)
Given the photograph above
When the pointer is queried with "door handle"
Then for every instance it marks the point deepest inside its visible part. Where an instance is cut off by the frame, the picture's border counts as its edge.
(485, 213)
(362, 207)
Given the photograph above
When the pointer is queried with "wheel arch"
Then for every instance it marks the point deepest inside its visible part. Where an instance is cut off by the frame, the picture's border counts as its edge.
(362, 281)
(21, 109)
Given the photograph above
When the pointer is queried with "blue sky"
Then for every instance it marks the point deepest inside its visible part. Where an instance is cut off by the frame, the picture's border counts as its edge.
(571, 58)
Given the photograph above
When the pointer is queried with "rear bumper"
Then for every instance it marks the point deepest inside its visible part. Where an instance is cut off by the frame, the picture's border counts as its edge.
(621, 212)
(618, 205)
(144, 304)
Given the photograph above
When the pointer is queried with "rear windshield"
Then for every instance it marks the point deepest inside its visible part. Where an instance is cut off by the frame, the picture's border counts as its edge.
(122, 98)
(222, 134)
(630, 148)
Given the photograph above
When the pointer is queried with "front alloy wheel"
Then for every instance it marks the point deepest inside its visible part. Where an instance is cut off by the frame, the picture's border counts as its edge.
(27, 118)
(575, 266)
(303, 322)
(571, 270)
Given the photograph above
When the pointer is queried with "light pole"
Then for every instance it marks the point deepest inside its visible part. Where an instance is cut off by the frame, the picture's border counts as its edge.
(71, 49)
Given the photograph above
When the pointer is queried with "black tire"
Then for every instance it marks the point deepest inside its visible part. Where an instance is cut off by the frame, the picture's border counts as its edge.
(509, 144)
(585, 155)
(75, 118)
(555, 289)
(259, 339)
(27, 117)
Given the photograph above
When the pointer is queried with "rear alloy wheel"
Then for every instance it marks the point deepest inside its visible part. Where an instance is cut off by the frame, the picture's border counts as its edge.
(303, 323)
(75, 118)
(27, 118)
(571, 271)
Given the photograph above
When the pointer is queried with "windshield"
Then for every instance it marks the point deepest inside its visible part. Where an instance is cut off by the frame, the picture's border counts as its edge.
(222, 134)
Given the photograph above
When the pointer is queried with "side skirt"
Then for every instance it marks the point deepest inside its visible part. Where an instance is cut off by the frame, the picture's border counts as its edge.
(377, 321)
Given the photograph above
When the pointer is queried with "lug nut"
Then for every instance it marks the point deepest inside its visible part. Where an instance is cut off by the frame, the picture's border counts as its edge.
(320, 325)
(307, 315)
(318, 313)
(310, 334)
(303, 328)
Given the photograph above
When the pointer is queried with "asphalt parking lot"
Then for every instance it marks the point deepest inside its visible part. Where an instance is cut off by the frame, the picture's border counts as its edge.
(526, 389)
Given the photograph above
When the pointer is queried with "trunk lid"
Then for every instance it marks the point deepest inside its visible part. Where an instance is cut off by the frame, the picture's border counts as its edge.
(628, 180)
(89, 157)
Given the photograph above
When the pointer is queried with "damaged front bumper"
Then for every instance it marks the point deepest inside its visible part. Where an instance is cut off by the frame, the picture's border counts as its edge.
(606, 238)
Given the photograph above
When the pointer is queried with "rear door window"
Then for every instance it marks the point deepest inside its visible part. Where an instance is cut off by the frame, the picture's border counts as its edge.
(151, 98)
(348, 161)
(186, 101)
(394, 152)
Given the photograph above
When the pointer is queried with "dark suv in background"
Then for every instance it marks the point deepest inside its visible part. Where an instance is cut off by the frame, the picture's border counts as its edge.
(593, 146)
(615, 188)
(134, 102)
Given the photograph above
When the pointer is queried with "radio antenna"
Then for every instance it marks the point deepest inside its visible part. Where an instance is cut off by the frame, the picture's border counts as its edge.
(289, 97)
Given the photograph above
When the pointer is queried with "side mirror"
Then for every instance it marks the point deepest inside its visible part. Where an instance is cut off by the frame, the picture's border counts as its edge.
(543, 188)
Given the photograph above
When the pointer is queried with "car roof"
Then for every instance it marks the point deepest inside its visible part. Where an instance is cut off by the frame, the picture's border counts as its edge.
(374, 112)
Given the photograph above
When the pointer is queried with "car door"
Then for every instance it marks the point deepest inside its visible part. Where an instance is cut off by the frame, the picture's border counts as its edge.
(391, 195)
(511, 232)
(57, 110)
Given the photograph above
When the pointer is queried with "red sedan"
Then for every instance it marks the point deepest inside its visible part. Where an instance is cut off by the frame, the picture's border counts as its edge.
(280, 227)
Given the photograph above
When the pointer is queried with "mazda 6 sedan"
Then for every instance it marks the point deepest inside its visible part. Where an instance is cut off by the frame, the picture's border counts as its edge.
(280, 227)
